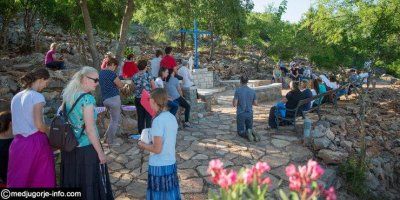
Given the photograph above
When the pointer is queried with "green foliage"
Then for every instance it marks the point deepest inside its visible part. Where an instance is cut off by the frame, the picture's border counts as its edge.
(394, 68)
(354, 171)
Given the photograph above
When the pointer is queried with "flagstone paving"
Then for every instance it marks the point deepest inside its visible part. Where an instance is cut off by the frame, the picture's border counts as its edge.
(213, 137)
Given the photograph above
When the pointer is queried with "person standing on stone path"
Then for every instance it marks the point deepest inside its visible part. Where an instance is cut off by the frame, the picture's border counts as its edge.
(169, 62)
(51, 61)
(6, 137)
(143, 80)
(110, 85)
(155, 63)
(243, 100)
(85, 166)
(31, 160)
(175, 93)
(163, 181)
(160, 82)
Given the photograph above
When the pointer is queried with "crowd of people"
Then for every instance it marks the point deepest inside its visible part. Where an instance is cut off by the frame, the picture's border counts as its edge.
(27, 158)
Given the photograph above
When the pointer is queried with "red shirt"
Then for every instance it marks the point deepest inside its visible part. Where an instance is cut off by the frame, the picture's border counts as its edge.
(129, 69)
(168, 62)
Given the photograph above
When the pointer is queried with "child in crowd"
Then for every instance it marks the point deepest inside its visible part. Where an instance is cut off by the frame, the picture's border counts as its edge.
(163, 181)
(243, 100)
(31, 159)
(6, 138)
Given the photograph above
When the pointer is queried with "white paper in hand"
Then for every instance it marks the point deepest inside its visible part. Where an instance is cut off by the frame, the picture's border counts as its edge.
(145, 136)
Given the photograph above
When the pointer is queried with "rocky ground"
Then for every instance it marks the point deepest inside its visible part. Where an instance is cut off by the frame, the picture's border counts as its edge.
(336, 138)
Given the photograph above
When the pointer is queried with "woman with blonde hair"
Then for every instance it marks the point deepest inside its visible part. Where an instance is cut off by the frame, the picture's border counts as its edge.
(51, 61)
(84, 167)
(163, 182)
(31, 160)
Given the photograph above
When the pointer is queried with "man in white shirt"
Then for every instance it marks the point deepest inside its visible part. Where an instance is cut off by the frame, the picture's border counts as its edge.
(155, 63)
(184, 71)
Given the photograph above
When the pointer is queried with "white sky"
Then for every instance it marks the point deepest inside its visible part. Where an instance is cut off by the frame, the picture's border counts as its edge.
(295, 8)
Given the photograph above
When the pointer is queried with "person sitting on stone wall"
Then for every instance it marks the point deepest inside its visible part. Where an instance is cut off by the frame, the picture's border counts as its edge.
(243, 100)
(184, 71)
(175, 93)
(51, 61)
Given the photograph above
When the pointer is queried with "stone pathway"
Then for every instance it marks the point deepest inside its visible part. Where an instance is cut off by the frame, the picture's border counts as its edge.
(214, 137)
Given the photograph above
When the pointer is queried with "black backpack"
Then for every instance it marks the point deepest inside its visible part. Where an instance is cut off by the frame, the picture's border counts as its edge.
(61, 131)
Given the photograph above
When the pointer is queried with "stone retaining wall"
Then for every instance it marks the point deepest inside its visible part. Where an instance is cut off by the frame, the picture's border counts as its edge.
(271, 92)
(203, 78)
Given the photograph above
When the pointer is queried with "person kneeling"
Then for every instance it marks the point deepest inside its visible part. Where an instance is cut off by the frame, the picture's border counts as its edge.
(244, 100)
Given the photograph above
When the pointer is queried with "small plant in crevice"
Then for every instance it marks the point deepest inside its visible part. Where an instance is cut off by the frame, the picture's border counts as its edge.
(354, 173)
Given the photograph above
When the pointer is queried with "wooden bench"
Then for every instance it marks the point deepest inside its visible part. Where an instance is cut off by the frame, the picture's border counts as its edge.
(331, 95)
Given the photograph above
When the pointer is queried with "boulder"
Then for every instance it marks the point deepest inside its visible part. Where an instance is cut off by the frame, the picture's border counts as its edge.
(129, 124)
(332, 157)
(321, 143)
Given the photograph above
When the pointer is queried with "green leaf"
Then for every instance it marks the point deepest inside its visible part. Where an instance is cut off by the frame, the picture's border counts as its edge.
(283, 195)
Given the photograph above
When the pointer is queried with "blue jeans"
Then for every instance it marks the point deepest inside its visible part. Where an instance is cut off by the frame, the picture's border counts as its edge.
(173, 107)
(244, 122)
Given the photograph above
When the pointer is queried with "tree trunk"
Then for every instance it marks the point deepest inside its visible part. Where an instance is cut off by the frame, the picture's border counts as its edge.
(44, 24)
(212, 51)
(4, 33)
(89, 33)
(28, 24)
(183, 40)
(126, 20)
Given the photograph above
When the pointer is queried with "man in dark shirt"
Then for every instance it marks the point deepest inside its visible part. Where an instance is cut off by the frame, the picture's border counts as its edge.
(244, 99)
(306, 93)
(292, 98)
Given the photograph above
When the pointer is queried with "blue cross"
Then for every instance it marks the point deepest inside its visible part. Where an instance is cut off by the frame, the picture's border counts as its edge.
(195, 32)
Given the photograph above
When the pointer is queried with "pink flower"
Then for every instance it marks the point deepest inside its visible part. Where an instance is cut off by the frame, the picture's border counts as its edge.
(290, 170)
(248, 176)
(294, 183)
(316, 173)
(266, 180)
(215, 169)
(311, 164)
(303, 171)
(223, 181)
(232, 177)
(262, 167)
(215, 164)
(330, 194)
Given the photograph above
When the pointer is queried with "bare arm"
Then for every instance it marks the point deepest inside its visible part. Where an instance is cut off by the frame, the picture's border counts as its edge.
(156, 147)
(38, 118)
(118, 83)
(152, 84)
(88, 118)
(234, 102)
(255, 103)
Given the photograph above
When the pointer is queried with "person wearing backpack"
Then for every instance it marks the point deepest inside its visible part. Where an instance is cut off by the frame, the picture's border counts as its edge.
(84, 167)
(31, 160)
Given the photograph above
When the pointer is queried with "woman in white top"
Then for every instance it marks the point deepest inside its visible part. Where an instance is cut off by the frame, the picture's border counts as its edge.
(31, 160)
(162, 75)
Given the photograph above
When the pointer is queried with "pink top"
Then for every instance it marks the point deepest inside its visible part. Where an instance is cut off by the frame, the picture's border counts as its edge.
(49, 57)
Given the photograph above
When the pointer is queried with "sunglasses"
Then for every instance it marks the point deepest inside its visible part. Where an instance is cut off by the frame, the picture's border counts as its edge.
(95, 80)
